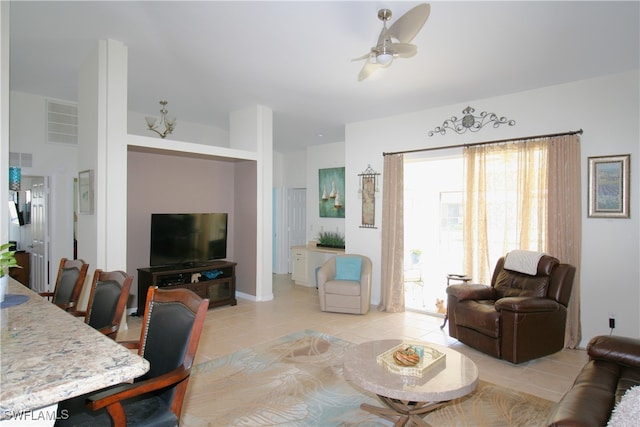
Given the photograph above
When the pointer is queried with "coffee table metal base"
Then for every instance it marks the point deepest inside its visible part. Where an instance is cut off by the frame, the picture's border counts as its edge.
(401, 412)
(407, 399)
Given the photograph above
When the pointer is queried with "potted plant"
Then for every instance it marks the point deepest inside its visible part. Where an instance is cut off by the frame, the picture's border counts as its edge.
(330, 239)
(7, 261)
(415, 255)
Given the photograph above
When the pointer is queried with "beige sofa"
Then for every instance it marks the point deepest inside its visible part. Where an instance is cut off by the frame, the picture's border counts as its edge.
(612, 370)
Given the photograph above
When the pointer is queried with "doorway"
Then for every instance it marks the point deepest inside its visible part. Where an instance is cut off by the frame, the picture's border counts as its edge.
(296, 219)
(29, 227)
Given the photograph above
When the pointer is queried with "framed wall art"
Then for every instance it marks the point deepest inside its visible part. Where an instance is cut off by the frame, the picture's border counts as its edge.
(609, 186)
(331, 189)
(368, 189)
(85, 192)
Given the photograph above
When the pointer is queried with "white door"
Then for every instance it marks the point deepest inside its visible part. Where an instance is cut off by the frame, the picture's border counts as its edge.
(40, 235)
(296, 218)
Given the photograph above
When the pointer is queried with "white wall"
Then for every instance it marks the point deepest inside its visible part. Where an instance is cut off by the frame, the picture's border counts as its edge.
(290, 169)
(606, 108)
(57, 161)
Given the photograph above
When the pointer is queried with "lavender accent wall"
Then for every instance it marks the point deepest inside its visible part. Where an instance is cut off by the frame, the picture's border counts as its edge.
(169, 182)
(245, 236)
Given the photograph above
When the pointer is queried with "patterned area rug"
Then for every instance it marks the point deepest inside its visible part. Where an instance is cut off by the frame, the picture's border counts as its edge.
(297, 380)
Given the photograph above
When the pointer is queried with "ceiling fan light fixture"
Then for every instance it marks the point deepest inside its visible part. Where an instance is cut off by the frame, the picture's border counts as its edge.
(384, 51)
(384, 58)
(394, 41)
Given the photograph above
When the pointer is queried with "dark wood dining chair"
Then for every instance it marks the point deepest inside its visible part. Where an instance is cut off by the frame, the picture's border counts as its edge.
(172, 324)
(69, 282)
(107, 300)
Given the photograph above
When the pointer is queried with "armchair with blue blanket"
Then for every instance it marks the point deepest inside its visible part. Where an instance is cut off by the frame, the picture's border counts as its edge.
(344, 284)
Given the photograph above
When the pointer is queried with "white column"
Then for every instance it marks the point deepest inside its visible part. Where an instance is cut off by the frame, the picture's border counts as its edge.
(102, 111)
(4, 118)
(102, 147)
(252, 129)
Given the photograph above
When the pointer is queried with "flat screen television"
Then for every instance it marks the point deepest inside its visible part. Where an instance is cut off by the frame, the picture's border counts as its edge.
(187, 239)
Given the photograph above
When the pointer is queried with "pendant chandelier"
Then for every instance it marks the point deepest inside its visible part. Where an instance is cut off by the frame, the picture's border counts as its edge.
(168, 122)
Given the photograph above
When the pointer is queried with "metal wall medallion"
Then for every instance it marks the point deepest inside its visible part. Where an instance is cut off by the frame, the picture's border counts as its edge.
(471, 122)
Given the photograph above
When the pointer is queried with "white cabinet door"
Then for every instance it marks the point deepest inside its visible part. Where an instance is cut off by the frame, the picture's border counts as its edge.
(299, 266)
(315, 260)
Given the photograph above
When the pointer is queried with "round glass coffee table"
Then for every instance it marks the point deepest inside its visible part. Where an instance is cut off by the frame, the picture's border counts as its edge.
(406, 397)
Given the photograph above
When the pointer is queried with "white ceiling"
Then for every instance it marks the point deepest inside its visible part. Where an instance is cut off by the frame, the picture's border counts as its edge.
(208, 58)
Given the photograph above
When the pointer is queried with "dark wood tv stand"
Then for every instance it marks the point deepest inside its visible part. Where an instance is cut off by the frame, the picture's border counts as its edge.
(220, 290)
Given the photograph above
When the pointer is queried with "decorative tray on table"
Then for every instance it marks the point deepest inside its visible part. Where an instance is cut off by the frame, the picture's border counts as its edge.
(410, 359)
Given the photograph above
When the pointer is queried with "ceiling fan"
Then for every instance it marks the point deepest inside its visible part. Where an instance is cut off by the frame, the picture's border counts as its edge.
(393, 42)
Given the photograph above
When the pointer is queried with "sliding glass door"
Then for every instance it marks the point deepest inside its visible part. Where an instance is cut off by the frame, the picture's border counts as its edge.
(433, 229)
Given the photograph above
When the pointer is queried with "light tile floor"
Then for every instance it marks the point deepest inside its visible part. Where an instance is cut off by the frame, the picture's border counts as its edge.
(228, 329)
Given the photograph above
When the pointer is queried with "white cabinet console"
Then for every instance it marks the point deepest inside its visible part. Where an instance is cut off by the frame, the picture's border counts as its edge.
(305, 260)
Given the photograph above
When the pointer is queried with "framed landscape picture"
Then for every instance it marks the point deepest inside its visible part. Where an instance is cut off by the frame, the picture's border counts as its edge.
(609, 186)
(85, 192)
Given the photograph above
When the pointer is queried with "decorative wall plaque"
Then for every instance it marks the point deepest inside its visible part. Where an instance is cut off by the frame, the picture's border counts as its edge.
(368, 189)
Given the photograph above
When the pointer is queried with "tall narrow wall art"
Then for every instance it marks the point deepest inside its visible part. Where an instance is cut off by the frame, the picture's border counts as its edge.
(368, 189)
(331, 190)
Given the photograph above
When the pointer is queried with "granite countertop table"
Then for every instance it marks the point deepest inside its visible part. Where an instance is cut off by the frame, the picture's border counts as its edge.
(48, 355)
(454, 377)
(409, 394)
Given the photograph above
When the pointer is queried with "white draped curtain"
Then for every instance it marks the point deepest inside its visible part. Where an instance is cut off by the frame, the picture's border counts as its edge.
(392, 276)
(524, 195)
(564, 232)
(505, 203)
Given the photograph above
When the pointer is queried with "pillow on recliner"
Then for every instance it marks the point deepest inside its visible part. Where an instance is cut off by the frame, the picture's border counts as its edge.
(348, 268)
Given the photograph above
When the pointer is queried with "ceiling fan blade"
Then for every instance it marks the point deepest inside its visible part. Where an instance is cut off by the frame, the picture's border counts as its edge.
(360, 58)
(369, 68)
(405, 28)
(404, 50)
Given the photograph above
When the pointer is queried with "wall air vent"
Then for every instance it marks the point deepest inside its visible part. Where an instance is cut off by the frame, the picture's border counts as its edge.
(62, 122)
(20, 160)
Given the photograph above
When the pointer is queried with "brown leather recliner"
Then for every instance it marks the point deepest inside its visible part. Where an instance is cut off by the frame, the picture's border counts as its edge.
(518, 317)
